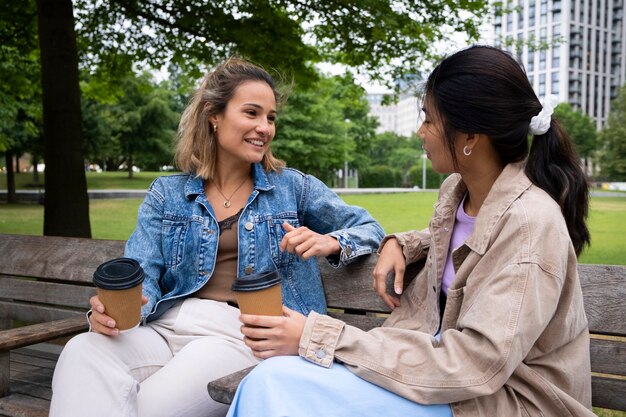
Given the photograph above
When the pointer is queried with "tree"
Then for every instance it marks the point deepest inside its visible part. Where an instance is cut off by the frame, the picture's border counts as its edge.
(147, 124)
(20, 93)
(381, 38)
(581, 129)
(311, 131)
(613, 138)
(66, 185)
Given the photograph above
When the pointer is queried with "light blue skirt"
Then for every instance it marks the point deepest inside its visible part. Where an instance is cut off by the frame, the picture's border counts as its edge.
(289, 386)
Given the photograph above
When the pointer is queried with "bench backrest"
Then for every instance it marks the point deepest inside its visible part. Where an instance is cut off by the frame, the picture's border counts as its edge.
(49, 278)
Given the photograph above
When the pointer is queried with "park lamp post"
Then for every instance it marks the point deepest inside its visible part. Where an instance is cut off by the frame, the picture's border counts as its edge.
(424, 157)
(345, 155)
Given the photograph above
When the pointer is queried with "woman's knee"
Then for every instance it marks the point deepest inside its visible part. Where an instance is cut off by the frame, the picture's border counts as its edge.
(276, 370)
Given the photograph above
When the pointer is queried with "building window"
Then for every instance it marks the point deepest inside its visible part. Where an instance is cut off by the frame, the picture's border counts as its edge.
(555, 82)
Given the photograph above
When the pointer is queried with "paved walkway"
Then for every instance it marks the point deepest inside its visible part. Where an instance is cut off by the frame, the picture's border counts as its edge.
(33, 195)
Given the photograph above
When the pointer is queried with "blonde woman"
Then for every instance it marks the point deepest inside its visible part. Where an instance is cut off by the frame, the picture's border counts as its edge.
(236, 210)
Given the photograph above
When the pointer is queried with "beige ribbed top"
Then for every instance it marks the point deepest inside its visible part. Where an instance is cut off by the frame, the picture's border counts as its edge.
(218, 287)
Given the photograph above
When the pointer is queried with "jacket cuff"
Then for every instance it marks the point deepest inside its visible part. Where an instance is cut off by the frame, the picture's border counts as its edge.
(413, 243)
(319, 339)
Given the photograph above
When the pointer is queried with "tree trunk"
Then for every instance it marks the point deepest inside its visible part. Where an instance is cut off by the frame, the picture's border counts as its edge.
(66, 211)
(11, 195)
(129, 162)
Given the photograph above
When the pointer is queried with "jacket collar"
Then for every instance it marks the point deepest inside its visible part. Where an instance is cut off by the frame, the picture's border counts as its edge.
(510, 184)
(195, 185)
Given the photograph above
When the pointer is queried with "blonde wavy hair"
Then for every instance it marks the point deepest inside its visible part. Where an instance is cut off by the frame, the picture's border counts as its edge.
(196, 146)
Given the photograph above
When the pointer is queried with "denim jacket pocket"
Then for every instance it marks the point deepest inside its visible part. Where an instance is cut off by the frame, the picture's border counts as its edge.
(276, 233)
(174, 231)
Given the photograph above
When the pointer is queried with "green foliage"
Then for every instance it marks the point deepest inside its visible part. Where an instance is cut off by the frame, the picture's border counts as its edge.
(313, 131)
(20, 90)
(134, 127)
(433, 179)
(580, 127)
(377, 37)
(613, 138)
(378, 176)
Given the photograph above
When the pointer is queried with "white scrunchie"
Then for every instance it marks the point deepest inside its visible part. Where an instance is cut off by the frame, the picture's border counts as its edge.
(540, 123)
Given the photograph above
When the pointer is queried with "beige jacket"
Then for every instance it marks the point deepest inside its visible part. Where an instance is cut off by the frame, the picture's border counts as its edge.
(514, 337)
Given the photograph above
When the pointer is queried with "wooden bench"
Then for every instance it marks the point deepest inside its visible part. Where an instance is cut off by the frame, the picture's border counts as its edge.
(47, 281)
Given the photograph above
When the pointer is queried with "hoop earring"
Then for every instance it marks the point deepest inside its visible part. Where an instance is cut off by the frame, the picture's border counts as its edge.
(467, 151)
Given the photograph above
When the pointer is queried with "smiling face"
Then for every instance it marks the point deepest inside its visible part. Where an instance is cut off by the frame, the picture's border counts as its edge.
(247, 126)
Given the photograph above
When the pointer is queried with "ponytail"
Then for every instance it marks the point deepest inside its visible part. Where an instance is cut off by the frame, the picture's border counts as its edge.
(554, 166)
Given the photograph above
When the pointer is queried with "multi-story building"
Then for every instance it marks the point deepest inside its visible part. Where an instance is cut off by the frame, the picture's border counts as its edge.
(574, 49)
(400, 117)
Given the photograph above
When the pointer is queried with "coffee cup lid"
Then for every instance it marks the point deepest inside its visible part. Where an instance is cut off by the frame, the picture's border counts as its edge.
(256, 282)
(118, 274)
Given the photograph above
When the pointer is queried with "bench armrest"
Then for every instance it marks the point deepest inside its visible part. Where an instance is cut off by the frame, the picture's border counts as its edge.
(223, 389)
(41, 332)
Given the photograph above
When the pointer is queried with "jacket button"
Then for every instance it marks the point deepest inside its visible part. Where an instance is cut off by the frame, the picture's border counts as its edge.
(348, 251)
(249, 226)
(248, 269)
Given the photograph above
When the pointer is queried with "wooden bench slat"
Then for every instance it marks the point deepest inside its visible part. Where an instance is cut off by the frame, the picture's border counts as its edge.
(223, 389)
(52, 257)
(608, 356)
(604, 293)
(37, 313)
(42, 332)
(70, 295)
(608, 393)
(20, 405)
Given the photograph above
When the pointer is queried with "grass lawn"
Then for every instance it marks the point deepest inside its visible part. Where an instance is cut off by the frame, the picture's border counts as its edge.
(115, 180)
(115, 219)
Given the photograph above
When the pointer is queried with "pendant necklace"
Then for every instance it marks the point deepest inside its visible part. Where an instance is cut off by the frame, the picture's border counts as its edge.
(226, 202)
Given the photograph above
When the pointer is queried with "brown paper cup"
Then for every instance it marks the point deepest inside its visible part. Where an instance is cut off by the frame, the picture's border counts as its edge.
(123, 306)
(259, 294)
(266, 302)
(119, 284)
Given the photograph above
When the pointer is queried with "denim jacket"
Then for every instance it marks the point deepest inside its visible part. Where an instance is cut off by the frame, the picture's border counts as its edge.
(177, 234)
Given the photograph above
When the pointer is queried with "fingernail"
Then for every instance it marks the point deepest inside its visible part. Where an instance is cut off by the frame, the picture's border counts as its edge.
(100, 309)
(398, 290)
(111, 323)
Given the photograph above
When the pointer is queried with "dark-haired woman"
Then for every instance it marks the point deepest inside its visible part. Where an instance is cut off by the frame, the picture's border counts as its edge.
(494, 324)
(235, 210)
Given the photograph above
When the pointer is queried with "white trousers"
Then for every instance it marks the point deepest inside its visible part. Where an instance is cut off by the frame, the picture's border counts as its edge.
(161, 369)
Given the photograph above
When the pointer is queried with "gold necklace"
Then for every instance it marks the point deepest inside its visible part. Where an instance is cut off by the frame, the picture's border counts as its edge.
(226, 202)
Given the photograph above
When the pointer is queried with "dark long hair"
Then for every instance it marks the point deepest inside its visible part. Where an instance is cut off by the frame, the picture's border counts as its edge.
(484, 90)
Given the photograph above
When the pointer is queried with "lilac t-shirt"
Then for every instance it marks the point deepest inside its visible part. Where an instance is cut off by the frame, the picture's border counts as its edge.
(463, 226)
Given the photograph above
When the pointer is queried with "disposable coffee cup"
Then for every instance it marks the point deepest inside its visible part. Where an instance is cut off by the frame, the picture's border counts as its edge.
(259, 294)
(118, 284)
